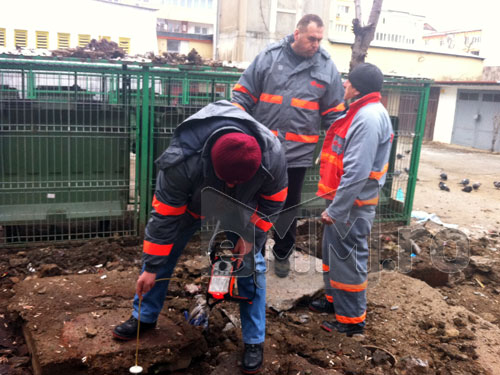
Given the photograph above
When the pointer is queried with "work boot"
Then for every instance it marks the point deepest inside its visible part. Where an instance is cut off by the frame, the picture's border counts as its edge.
(321, 306)
(348, 329)
(281, 267)
(128, 330)
(253, 357)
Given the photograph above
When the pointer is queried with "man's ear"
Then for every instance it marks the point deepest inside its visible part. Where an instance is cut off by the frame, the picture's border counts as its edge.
(296, 35)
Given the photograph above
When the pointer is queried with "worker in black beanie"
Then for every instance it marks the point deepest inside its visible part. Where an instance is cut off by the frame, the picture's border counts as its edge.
(354, 164)
(366, 78)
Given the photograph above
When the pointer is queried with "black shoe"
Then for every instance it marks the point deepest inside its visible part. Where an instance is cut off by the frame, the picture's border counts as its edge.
(281, 267)
(128, 330)
(322, 306)
(253, 357)
(348, 329)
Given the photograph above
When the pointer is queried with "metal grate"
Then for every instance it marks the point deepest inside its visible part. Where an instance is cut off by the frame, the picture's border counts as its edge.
(66, 156)
(78, 142)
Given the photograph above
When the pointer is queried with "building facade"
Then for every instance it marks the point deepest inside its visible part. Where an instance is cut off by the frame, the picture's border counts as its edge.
(186, 24)
(457, 41)
(55, 24)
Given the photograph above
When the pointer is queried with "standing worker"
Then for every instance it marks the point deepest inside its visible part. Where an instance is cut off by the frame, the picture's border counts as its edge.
(292, 87)
(354, 162)
(220, 148)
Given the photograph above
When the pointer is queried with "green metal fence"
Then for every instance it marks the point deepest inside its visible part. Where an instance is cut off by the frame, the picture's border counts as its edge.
(78, 140)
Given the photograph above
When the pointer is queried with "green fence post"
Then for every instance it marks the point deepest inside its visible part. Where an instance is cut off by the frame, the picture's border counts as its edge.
(415, 155)
(145, 162)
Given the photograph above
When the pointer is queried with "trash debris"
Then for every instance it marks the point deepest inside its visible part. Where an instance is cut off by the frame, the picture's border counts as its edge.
(192, 288)
(422, 217)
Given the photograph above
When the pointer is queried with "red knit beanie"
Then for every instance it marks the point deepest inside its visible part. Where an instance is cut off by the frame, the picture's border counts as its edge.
(236, 157)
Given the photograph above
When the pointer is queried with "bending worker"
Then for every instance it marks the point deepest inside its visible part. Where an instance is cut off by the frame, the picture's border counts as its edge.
(224, 149)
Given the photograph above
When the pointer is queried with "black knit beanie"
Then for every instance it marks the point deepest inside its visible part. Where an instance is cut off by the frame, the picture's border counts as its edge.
(366, 78)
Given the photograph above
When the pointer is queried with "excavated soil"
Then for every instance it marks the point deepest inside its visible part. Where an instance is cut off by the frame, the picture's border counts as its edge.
(449, 323)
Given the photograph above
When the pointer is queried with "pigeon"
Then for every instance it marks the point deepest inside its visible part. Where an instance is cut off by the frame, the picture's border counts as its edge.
(400, 156)
(443, 176)
(476, 185)
(467, 189)
(407, 151)
(396, 173)
(496, 184)
(443, 186)
(408, 171)
(464, 182)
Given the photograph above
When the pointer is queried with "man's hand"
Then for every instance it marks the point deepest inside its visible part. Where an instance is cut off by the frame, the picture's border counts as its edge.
(325, 219)
(145, 283)
(241, 249)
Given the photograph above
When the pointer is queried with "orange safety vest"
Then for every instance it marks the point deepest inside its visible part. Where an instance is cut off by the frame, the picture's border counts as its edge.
(332, 153)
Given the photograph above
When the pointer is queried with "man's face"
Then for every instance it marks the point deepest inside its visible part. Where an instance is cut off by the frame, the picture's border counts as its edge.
(306, 41)
(350, 92)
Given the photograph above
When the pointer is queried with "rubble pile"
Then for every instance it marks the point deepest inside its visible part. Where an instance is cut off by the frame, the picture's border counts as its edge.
(102, 49)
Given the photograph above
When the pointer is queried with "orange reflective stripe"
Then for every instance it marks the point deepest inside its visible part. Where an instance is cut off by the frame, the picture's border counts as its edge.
(238, 105)
(156, 249)
(326, 268)
(339, 108)
(280, 196)
(275, 132)
(368, 202)
(269, 98)
(306, 104)
(348, 320)
(349, 287)
(196, 216)
(332, 159)
(329, 298)
(325, 189)
(244, 90)
(165, 209)
(374, 175)
(260, 223)
(302, 138)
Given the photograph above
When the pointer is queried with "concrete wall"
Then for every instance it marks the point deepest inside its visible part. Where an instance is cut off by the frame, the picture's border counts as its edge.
(445, 117)
(204, 49)
(415, 64)
(80, 17)
(246, 27)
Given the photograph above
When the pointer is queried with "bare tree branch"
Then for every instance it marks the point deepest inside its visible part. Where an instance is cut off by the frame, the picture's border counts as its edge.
(363, 35)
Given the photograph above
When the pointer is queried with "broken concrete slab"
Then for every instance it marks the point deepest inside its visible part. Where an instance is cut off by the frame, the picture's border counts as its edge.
(68, 326)
(305, 280)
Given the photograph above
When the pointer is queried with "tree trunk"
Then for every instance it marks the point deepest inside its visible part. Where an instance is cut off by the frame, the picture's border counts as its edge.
(363, 35)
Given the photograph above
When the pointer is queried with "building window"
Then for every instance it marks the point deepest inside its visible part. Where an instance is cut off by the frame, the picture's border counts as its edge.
(200, 30)
(108, 38)
(343, 9)
(125, 44)
(491, 98)
(42, 39)
(209, 4)
(62, 40)
(173, 45)
(468, 96)
(83, 40)
(21, 38)
(2, 37)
